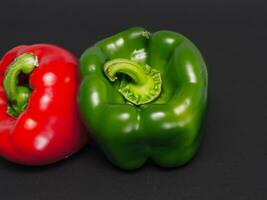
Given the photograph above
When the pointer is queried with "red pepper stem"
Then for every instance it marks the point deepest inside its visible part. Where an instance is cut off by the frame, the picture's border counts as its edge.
(18, 95)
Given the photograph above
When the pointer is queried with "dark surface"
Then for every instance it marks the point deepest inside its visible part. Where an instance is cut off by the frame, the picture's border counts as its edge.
(232, 160)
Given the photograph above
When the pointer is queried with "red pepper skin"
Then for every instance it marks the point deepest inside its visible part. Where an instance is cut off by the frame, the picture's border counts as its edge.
(49, 129)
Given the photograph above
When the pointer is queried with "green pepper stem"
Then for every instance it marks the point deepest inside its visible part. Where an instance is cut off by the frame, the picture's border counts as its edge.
(18, 95)
(146, 82)
(121, 65)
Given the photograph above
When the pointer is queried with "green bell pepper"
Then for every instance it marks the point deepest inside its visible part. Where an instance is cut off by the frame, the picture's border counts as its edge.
(143, 96)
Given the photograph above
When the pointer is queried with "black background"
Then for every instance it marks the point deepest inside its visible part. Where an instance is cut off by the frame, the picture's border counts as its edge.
(231, 163)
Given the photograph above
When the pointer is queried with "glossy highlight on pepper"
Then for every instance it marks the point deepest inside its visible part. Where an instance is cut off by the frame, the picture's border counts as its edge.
(134, 115)
(39, 120)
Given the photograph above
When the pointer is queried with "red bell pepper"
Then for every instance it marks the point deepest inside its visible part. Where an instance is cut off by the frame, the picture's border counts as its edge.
(39, 121)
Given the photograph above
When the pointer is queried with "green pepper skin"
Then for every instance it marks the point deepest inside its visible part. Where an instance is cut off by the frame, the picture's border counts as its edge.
(166, 130)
